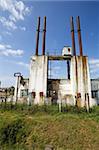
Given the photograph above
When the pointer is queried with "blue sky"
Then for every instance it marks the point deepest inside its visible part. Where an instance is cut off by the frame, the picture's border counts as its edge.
(18, 20)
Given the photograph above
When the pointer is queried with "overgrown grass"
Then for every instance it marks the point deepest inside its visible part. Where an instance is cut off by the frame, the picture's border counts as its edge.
(25, 127)
(43, 108)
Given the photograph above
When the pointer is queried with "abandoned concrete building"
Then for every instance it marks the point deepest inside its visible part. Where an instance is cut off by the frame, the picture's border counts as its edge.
(95, 89)
(40, 88)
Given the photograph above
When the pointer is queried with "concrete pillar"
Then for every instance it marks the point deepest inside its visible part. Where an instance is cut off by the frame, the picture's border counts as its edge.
(80, 82)
(73, 78)
(16, 92)
(38, 78)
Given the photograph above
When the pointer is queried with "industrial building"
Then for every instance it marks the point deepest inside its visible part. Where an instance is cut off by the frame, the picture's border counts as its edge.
(40, 88)
(95, 89)
(6, 94)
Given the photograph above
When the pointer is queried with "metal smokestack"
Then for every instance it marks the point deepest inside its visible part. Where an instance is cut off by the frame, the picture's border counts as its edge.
(37, 36)
(73, 36)
(68, 69)
(44, 36)
(79, 36)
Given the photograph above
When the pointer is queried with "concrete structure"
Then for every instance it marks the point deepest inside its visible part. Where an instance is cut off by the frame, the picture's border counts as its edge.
(75, 90)
(78, 86)
(6, 94)
(67, 50)
(95, 89)
(38, 78)
(21, 90)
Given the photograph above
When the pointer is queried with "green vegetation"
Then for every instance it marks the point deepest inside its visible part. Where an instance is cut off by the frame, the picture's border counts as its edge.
(25, 127)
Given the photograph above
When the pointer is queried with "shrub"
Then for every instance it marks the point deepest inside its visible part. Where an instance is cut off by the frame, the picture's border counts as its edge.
(9, 132)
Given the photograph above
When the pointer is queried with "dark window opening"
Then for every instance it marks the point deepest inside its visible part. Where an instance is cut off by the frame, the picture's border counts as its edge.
(94, 94)
(24, 93)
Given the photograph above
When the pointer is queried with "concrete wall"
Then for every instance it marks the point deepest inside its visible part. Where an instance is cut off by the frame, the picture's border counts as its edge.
(80, 79)
(79, 82)
(73, 78)
(38, 77)
(65, 92)
(60, 89)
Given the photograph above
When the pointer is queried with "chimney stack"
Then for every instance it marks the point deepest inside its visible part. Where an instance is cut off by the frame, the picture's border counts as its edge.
(37, 36)
(44, 36)
(68, 69)
(79, 36)
(73, 36)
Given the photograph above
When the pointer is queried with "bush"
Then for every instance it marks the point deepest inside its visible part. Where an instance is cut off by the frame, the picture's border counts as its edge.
(9, 132)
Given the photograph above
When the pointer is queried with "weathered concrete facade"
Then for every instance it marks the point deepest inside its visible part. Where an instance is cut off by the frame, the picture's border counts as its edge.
(78, 86)
(80, 80)
(38, 78)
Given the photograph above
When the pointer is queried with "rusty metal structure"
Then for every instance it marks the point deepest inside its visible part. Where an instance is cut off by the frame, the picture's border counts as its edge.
(79, 36)
(44, 36)
(75, 90)
(37, 36)
(73, 36)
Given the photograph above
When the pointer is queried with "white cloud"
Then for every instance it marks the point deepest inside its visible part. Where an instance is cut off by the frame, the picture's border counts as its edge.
(7, 23)
(2, 47)
(19, 63)
(23, 64)
(23, 28)
(11, 52)
(10, 25)
(6, 50)
(16, 9)
(8, 46)
(94, 61)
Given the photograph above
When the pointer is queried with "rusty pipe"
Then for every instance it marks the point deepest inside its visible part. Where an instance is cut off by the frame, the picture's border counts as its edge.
(79, 36)
(73, 36)
(68, 69)
(44, 36)
(37, 36)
